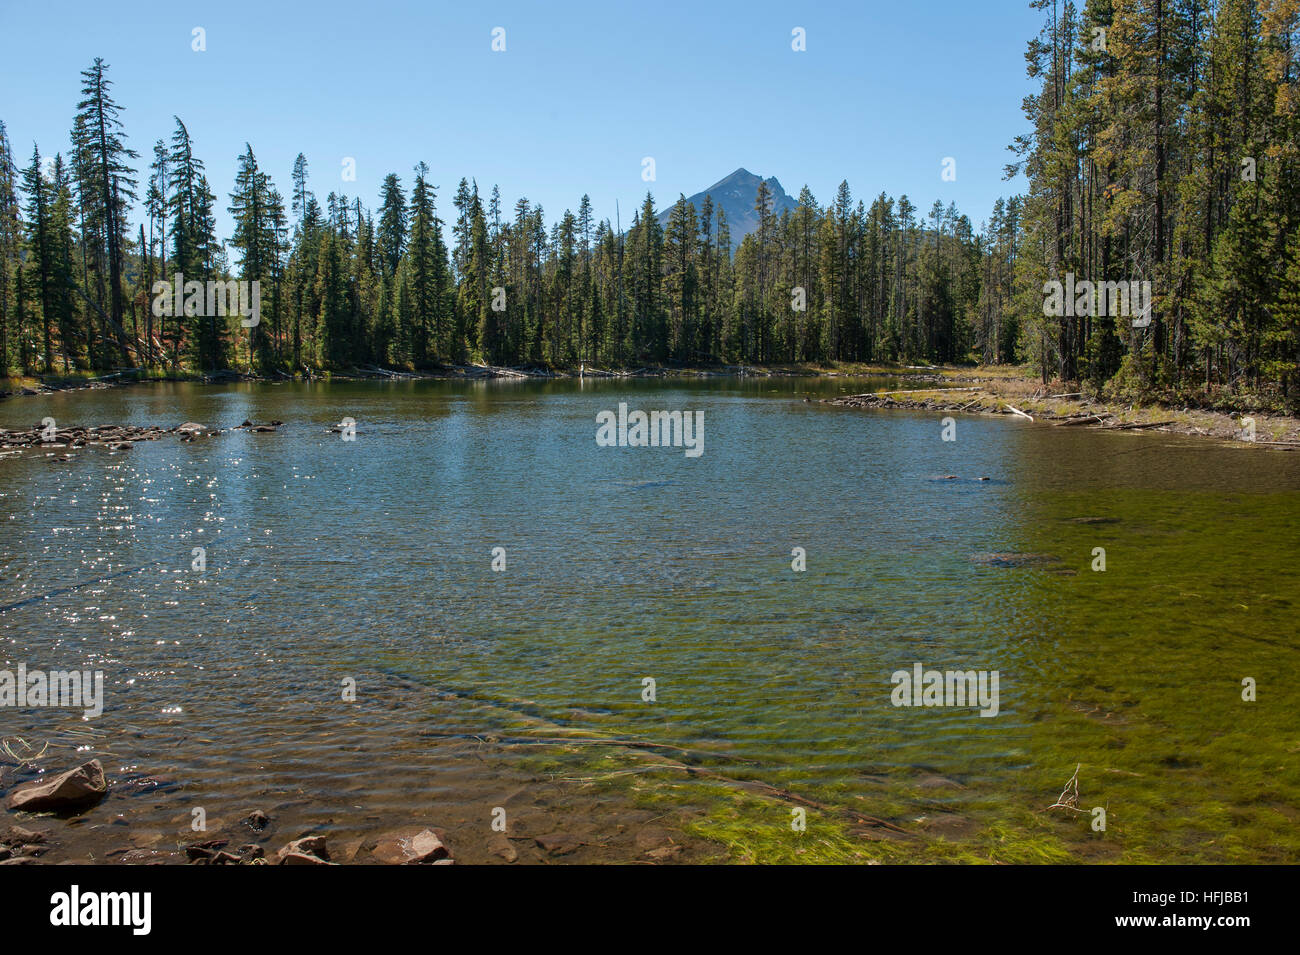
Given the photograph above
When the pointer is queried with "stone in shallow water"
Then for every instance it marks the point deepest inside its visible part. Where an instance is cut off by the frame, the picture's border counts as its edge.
(413, 845)
(18, 835)
(560, 843)
(350, 849)
(205, 851)
(1014, 560)
(301, 858)
(499, 845)
(664, 853)
(136, 784)
(75, 788)
(146, 857)
(653, 838)
(313, 846)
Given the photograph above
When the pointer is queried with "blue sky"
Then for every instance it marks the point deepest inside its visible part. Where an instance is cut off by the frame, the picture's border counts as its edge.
(582, 92)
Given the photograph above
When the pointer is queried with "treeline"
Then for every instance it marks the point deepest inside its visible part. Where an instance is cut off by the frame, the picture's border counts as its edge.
(342, 285)
(1165, 148)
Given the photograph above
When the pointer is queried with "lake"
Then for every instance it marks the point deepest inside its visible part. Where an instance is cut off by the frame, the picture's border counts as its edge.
(371, 560)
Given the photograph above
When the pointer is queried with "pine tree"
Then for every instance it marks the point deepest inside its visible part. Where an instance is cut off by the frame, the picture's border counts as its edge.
(41, 269)
(10, 242)
(427, 270)
(681, 280)
(391, 239)
(98, 140)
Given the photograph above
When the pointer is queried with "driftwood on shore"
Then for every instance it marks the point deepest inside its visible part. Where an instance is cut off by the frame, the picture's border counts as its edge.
(915, 391)
(1074, 410)
(886, 399)
(498, 371)
(1135, 425)
(377, 372)
(1074, 420)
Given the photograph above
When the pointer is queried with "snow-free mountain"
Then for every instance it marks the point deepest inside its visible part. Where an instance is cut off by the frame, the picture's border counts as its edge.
(736, 194)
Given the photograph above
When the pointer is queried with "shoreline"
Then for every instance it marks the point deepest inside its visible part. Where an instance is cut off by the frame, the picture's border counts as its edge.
(979, 390)
(33, 386)
(1029, 399)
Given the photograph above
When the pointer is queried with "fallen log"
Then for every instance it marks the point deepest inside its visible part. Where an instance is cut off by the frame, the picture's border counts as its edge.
(1084, 419)
(917, 391)
(382, 372)
(496, 372)
(553, 733)
(1134, 426)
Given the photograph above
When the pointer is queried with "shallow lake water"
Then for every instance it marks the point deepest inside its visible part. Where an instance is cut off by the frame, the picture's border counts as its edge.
(372, 561)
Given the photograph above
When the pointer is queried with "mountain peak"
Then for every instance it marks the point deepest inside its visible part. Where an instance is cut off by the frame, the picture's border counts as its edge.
(735, 194)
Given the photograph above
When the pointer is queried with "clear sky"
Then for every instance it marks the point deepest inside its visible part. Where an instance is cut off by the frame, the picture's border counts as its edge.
(582, 93)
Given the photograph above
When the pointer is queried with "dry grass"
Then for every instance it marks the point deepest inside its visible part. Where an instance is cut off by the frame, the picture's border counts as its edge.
(994, 390)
